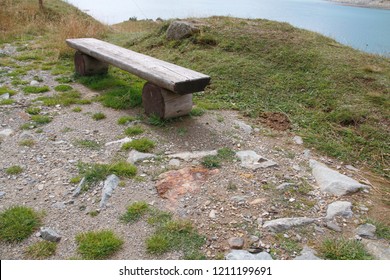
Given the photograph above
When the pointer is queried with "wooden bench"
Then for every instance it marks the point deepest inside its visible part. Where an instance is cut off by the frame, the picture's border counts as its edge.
(169, 87)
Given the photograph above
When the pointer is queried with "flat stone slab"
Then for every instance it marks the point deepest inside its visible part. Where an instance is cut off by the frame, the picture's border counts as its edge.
(186, 156)
(135, 156)
(6, 132)
(366, 231)
(251, 160)
(339, 208)
(283, 224)
(331, 181)
(245, 255)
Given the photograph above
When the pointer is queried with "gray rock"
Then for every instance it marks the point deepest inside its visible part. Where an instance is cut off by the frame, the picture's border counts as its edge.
(121, 141)
(298, 140)
(251, 160)
(245, 255)
(34, 83)
(180, 29)
(244, 127)
(236, 243)
(135, 156)
(2, 194)
(284, 186)
(350, 167)
(77, 191)
(26, 136)
(307, 154)
(307, 254)
(59, 205)
(283, 224)
(378, 248)
(212, 214)
(239, 199)
(174, 163)
(6, 132)
(50, 235)
(4, 96)
(186, 156)
(333, 226)
(110, 185)
(366, 231)
(339, 208)
(331, 181)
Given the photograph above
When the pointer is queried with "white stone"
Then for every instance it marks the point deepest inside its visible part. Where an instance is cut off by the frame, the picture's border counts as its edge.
(186, 156)
(245, 255)
(283, 224)
(4, 96)
(121, 141)
(135, 156)
(175, 163)
(213, 214)
(339, 208)
(34, 83)
(6, 132)
(298, 140)
(110, 185)
(244, 127)
(251, 160)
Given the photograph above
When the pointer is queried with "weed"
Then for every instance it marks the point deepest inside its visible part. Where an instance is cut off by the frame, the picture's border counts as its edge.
(63, 88)
(211, 162)
(6, 101)
(77, 109)
(143, 145)
(41, 250)
(157, 121)
(125, 120)
(134, 212)
(33, 110)
(134, 130)
(36, 89)
(14, 170)
(89, 144)
(64, 99)
(93, 213)
(98, 245)
(226, 154)
(40, 119)
(75, 180)
(18, 223)
(197, 112)
(27, 143)
(342, 249)
(98, 116)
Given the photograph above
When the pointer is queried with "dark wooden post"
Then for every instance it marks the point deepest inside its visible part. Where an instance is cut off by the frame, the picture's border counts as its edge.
(164, 103)
(86, 65)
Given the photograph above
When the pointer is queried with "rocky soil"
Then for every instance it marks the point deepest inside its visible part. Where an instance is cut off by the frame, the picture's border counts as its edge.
(383, 4)
(275, 199)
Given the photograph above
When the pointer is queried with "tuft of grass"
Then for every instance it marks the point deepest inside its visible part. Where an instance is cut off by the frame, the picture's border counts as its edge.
(33, 110)
(98, 245)
(197, 112)
(63, 88)
(98, 116)
(64, 80)
(17, 223)
(211, 162)
(14, 170)
(4, 89)
(134, 130)
(135, 211)
(77, 109)
(89, 144)
(125, 120)
(64, 99)
(342, 249)
(41, 250)
(27, 143)
(157, 121)
(382, 230)
(40, 119)
(226, 154)
(143, 145)
(36, 89)
(7, 101)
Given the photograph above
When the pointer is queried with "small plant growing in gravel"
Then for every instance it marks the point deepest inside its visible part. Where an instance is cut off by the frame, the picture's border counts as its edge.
(182, 131)
(7, 102)
(33, 110)
(35, 89)
(98, 116)
(27, 143)
(135, 211)
(134, 130)
(226, 154)
(77, 109)
(93, 213)
(143, 145)
(40, 119)
(41, 250)
(197, 112)
(98, 245)
(89, 144)
(342, 249)
(157, 121)
(125, 120)
(211, 162)
(17, 223)
(14, 170)
(63, 88)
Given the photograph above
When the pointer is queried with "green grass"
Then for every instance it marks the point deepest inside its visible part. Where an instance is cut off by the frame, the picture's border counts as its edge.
(143, 145)
(41, 250)
(157, 121)
(27, 143)
(197, 112)
(14, 170)
(382, 230)
(211, 162)
(40, 119)
(134, 212)
(4, 89)
(88, 144)
(33, 110)
(98, 245)
(36, 89)
(18, 223)
(64, 99)
(125, 120)
(63, 88)
(134, 130)
(226, 154)
(77, 109)
(98, 116)
(7, 101)
(342, 249)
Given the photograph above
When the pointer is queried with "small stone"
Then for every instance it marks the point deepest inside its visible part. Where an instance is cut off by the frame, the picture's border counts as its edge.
(6, 132)
(110, 185)
(180, 29)
(135, 156)
(4, 96)
(2, 194)
(213, 214)
(121, 141)
(251, 160)
(350, 167)
(244, 127)
(34, 83)
(257, 201)
(339, 208)
(298, 140)
(40, 187)
(245, 255)
(77, 191)
(307, 254)
(366, 231)
(236, 243)
(333, 226)
(186, 156)
(59, 205)
(174, 163)
(50, 235)
(254, 239)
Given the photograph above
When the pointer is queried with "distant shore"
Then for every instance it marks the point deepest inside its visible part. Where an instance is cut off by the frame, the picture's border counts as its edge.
(381, 4)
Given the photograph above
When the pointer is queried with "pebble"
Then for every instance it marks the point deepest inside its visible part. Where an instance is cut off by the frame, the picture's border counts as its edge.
(298, 140)
(34, 83)
(213, 214)
(236, 243)
(2, 194)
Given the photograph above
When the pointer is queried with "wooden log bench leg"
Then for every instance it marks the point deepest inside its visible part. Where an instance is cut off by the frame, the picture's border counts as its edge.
(164, 103)
(87, 65)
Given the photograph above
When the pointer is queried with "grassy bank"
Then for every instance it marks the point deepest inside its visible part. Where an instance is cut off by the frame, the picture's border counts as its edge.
(335, 97)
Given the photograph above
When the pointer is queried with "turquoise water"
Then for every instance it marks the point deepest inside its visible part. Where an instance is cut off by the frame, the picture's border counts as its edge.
(365, 29)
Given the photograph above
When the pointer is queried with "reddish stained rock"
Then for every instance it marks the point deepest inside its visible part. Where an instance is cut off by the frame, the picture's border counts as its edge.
(175, 183)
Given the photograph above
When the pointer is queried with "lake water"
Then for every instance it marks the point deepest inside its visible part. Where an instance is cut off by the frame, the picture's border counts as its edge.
(366, 29)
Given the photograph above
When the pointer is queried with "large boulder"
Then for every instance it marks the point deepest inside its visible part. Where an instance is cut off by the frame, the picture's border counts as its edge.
(181, 29)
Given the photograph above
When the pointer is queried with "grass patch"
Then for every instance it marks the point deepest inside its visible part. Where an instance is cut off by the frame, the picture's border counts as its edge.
(64, 99)
(77, 109)
(125, 120)
(157, 121)
(35, 89)
(40, 119)
(143, 145)
(98, 245)
(342, 249)
(41, 250)
(134, 212)
(27, 143)
(33, 110)
(98, 116)
(5, 89)
(197, 112)
(63, 88)
(88, 144)
(134, 130)
(14, 170)
(211, 162)
(226, 154)
(7, 101)
(17, 223)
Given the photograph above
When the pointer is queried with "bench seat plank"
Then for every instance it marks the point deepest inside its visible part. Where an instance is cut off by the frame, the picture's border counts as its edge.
(164, 74)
